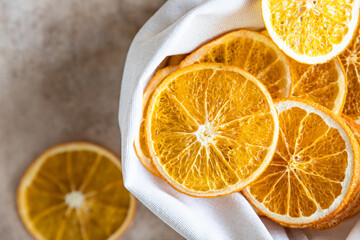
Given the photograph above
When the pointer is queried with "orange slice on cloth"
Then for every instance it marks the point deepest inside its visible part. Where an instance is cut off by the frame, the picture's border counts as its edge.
(211, 129)
(251, 51)
(75, 191)
(315, 169)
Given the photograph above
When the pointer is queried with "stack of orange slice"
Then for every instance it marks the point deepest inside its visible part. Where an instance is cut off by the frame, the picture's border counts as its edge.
(261, 113)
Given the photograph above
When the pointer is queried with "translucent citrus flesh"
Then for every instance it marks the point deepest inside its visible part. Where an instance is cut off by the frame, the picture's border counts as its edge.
(307, 172)
(311, 28)
(324, 83)
(254, 53)
(350, 59)
(75, 193)
(140, 142)
(210, 129)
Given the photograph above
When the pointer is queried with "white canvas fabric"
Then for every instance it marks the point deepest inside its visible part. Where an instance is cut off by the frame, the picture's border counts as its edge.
(181, 26)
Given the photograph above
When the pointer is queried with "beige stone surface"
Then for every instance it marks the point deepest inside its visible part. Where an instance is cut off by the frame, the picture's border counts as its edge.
(61, 66)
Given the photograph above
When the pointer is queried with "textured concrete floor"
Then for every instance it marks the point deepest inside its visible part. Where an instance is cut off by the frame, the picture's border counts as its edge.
(61, 64)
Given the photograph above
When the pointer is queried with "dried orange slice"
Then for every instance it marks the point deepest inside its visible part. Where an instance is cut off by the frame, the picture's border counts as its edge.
(311, 31)
(352, 207)
(324, 83)
(356, 130)
(350, 59)
(211, 129)
(314, 172)
(75, 191)
(251, 51)
(139, 143)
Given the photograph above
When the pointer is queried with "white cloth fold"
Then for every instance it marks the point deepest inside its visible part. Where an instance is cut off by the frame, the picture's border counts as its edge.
(181, 26)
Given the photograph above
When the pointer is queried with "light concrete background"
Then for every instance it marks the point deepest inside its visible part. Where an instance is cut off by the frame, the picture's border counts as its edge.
(61, 65)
